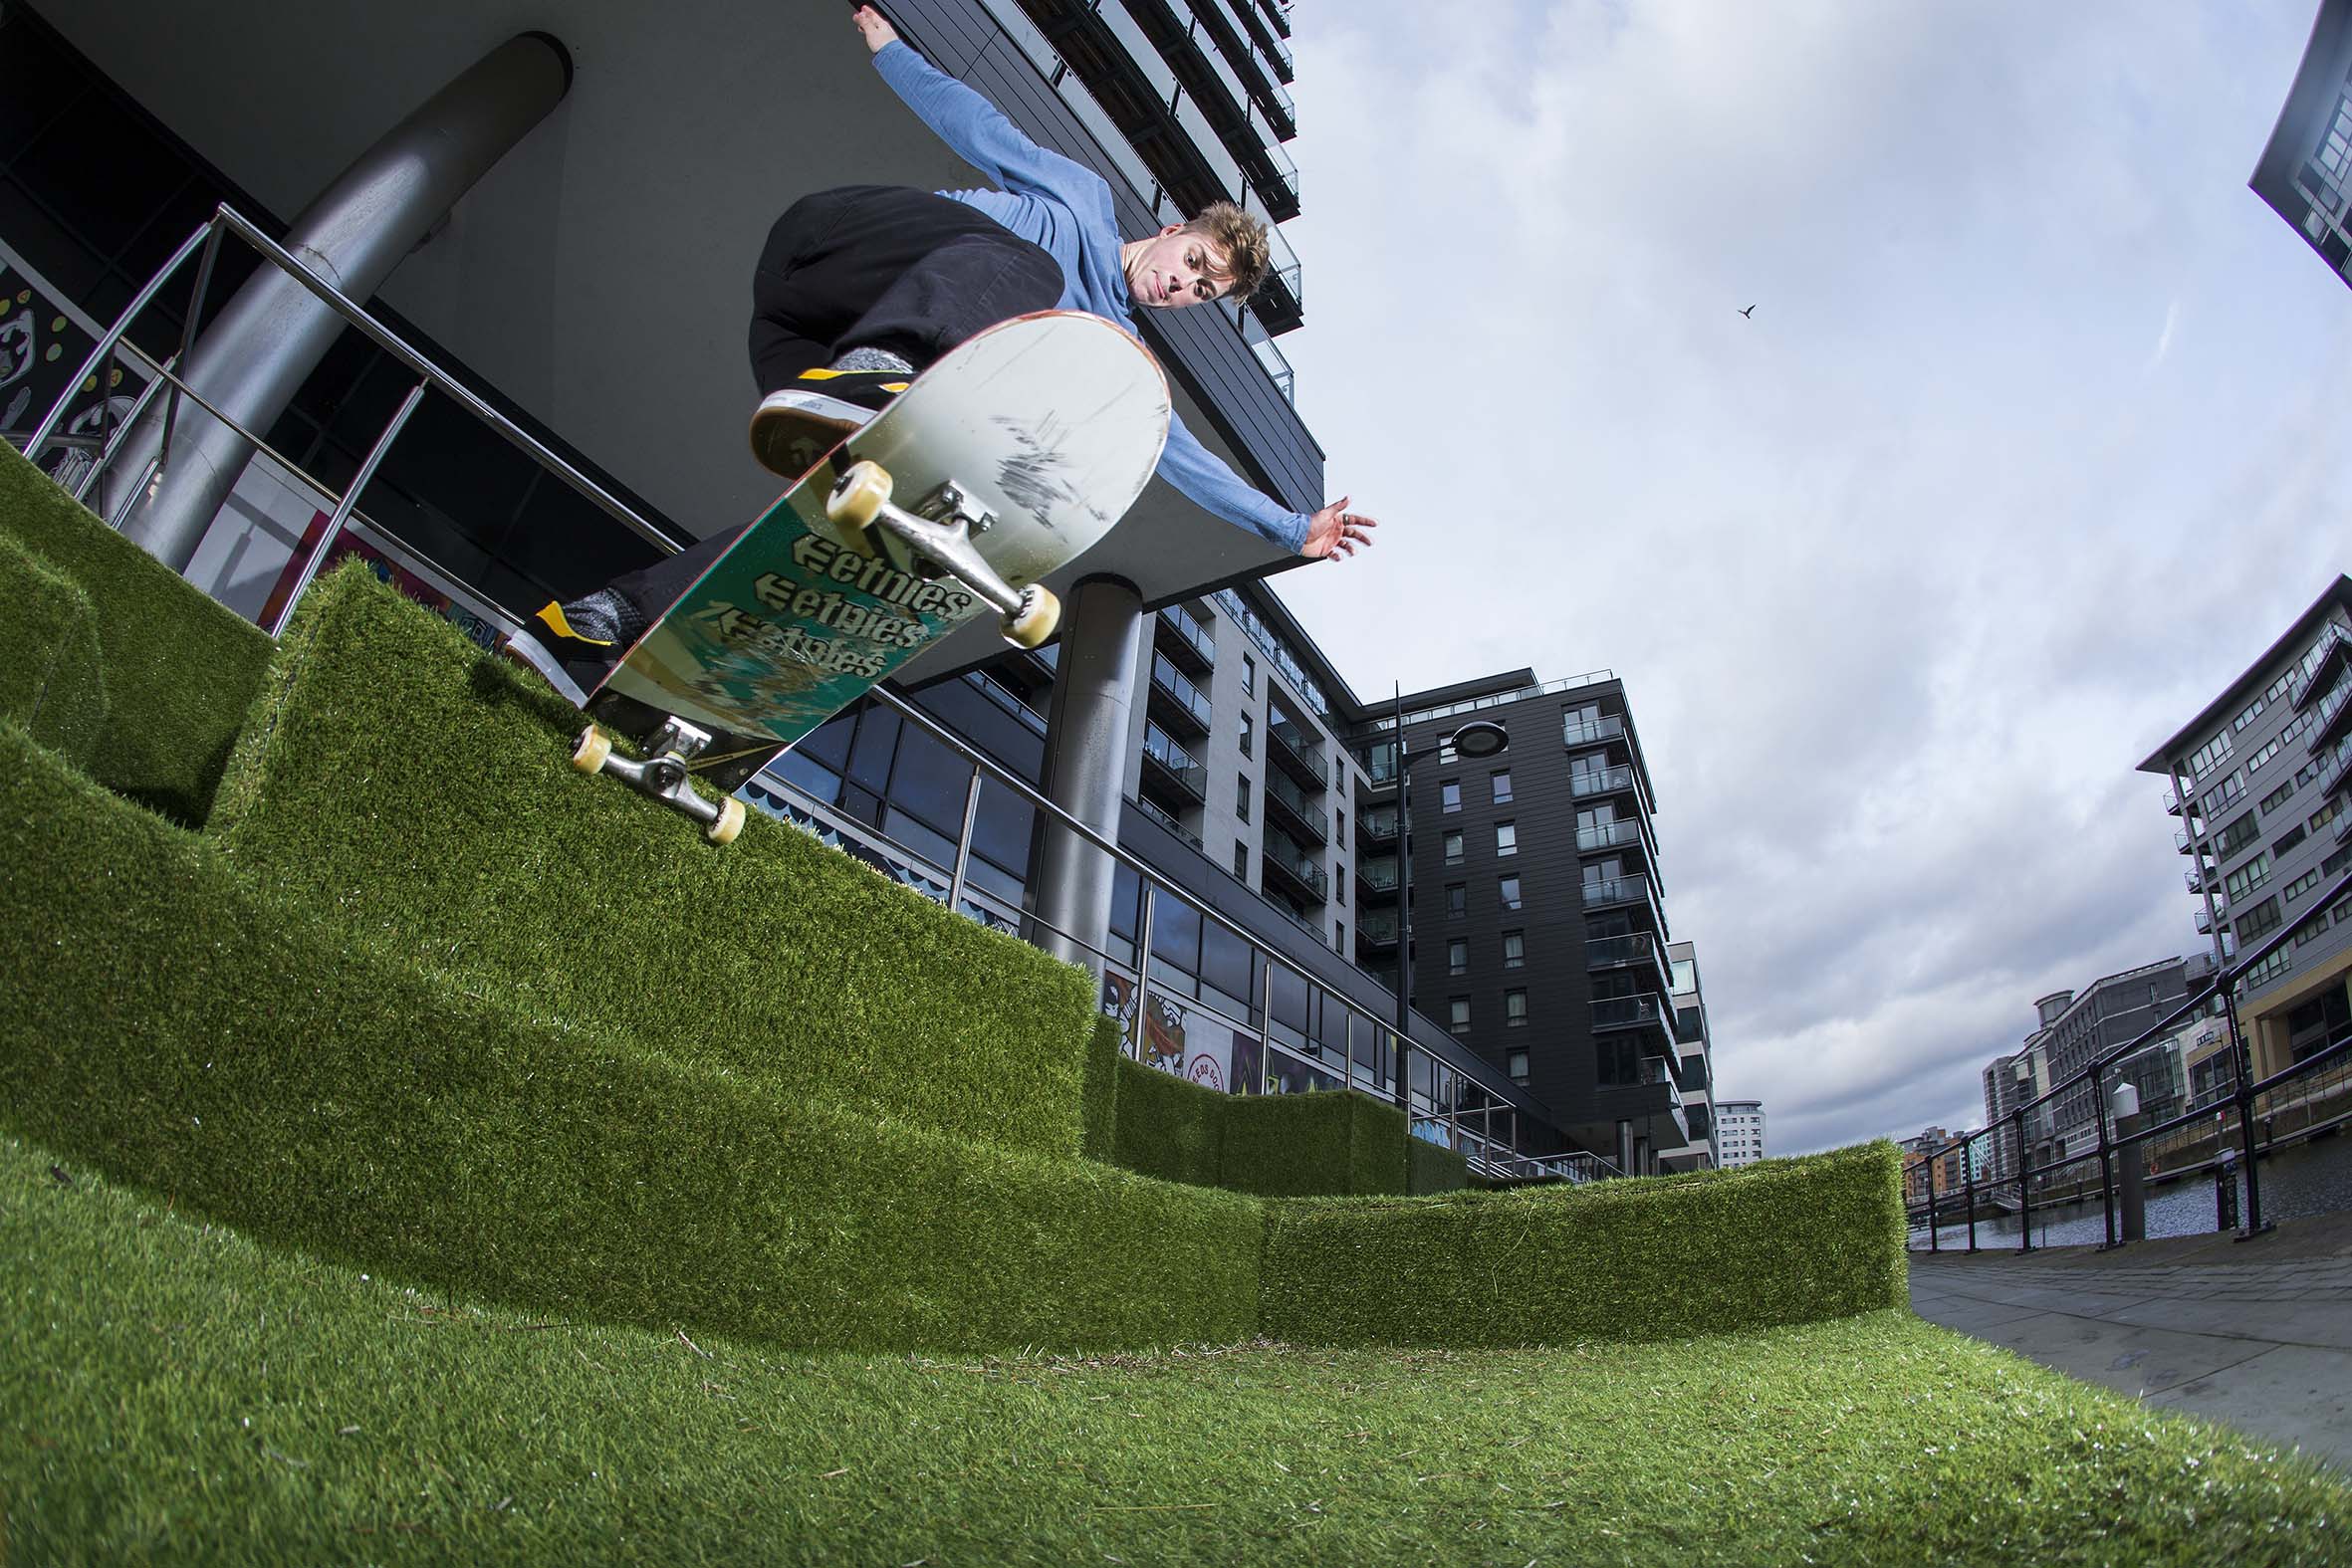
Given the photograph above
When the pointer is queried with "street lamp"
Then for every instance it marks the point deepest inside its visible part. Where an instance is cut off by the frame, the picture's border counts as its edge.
(1476, 741)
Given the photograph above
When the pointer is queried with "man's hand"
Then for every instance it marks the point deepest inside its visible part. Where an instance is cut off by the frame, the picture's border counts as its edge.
(1335, 531)
(877, 32)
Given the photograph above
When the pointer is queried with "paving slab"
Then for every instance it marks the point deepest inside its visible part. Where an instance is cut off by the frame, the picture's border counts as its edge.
(2256, 1334)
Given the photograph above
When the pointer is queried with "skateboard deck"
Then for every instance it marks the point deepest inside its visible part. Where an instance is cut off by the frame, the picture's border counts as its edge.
(998, 464)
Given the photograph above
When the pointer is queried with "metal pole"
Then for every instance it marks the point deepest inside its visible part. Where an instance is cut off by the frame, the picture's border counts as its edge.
(187, 334)
(1967, 1164)
(2025, 1186)
(2242, 1055)
(955, 887)
(1932, 1164)
(1404, 912)
(270, 336)
(2106, 1167)
(342, 509)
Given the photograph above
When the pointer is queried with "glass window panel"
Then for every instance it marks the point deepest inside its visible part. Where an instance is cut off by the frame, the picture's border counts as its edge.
(1175, 931)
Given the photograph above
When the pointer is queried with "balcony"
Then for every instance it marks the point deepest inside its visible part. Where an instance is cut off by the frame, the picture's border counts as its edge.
(1186, 639)
(1172, 767)
(1644, 1011)
(1592, 839)
(1375, 880)
(1167, 819)
(1608, 727)
(1299, 751)
(2201, 878)
(1639, 952)
(1604, 781)
(1288, 809)
(2204, 922)
(1621, 892)
(1376, 828)
(1175, 700)
(2182, 840)
(2333, 719)
(1376, 933)
(2322, 664)
(2173, 805)
(1288, 867)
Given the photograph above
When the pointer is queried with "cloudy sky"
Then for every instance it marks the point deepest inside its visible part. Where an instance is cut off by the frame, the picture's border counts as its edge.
(2030, 446)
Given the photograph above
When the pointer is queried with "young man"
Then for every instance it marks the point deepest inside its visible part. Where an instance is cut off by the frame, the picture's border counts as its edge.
(859, 288)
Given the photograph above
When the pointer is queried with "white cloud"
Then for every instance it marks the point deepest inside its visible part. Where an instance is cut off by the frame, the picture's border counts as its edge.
(1906, 571)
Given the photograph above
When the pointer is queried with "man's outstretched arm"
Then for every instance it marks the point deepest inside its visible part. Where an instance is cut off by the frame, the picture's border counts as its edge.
(975, 129)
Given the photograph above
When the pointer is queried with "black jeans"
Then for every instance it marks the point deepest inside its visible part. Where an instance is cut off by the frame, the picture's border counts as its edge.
(883, 266)
(866, 267)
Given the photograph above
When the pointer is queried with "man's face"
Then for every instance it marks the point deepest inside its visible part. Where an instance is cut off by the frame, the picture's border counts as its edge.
(1174, 269)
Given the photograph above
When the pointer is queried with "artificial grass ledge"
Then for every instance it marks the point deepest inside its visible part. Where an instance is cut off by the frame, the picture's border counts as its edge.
(212, 1041)
(421, 789)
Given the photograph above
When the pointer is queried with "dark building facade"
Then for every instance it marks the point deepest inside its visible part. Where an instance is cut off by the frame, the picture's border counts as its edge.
(1539, 925)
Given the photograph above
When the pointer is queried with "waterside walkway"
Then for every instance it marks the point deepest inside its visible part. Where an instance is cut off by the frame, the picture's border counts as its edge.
(2258, 1334)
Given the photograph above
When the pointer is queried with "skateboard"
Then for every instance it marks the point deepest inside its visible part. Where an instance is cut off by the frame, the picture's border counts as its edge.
(1005, 459)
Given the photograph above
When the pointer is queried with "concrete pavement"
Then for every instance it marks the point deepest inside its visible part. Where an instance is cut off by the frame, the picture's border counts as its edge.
(2258, 1334)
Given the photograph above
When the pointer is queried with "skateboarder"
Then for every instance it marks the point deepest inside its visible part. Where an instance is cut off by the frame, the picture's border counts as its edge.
(859, 288)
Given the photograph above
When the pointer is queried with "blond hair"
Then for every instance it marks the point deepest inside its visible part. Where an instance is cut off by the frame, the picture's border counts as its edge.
(1241, 238)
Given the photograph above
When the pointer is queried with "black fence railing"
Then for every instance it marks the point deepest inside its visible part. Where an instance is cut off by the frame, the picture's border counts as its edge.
(2240, 1096)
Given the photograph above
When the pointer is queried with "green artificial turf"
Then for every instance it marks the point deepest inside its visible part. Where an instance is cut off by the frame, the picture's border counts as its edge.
(1657, 1257)
(177, 669)
(1431, 1168)
(173, 1393)
(218, 1042)
(1299, 1145)
(422, 789)
(1168, 1127)
(52, 678)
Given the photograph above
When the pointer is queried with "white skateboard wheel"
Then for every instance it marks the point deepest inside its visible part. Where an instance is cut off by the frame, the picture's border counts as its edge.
(590, 752)
(860, 495)
(1031, 625)
(730, 822)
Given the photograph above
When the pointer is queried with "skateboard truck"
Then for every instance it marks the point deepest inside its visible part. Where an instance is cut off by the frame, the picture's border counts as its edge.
(940, 535)
(663, 775)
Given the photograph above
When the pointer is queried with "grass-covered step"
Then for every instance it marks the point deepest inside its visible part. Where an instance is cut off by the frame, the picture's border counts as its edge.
(219, 1042)
(1319, 1144)
(179, 671)
(1659, 1258)
(1433, 1169)
(422, 788)
(173, 1392)
(52, 677)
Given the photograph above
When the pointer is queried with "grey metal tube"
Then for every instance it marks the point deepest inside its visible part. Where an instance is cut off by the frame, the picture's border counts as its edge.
(1086, 767)
(273, 333)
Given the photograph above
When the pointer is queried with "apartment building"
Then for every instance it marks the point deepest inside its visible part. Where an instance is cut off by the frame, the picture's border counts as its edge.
(1694, 1044)
(2258, 780)
(2306, 169)
(1740, 1128)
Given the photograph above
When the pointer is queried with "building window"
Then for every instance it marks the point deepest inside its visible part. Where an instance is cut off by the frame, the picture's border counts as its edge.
(2262, 918)
(1454, 847)
(1515, 949)
(2278, 797)
(1456, 957)
(1449, 796)
(2239, 833)
(1340, 837)
(1506, 838)
(1240, 797)
(1249, 676)
(1338, 936)
(1458, 1015)
(1515, 1010)
(1501, 786)
(1240, 861)
(1511, 893)
(1457, 900)
(1517, 1065)
(1248, 733)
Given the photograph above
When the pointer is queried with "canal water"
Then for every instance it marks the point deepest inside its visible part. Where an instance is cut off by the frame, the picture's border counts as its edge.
(2299, 1181)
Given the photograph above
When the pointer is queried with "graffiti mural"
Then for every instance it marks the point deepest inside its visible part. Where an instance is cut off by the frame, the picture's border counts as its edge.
(44, 338)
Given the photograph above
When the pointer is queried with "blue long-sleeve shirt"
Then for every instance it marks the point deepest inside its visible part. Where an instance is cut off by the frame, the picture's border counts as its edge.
(1066, 208)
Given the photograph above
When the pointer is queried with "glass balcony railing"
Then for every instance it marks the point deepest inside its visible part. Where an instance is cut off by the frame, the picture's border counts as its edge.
(1378, 931)
(1609, 727)
(1197, 643)
(1617, 952)
(2326, 718)
(1611, 891)
(1377, 827)
(1177, 690)
(1187, 773)
(1603, 780)
(2333, 653)
(2172, 802)
(1610, 835)
(1292, 743)
(1167, 819)
(1379, 877)
(1625, 1012)
(1308, 818)
(1297, 865)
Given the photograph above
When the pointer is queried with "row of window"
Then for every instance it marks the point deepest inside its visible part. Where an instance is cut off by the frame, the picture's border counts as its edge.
(1515, 1011)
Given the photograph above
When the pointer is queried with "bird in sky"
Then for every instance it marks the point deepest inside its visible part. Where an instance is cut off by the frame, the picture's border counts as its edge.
(1749, 313)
